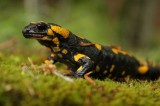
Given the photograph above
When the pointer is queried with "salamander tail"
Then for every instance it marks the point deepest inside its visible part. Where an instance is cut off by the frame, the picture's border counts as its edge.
(149, 72)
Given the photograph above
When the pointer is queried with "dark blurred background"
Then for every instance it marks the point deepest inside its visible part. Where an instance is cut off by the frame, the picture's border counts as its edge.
(131, 24)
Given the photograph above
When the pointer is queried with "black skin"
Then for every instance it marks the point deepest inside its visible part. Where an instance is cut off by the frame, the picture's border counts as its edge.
(104, 58)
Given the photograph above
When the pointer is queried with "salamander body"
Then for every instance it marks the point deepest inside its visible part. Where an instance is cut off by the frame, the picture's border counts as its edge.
(83, 56)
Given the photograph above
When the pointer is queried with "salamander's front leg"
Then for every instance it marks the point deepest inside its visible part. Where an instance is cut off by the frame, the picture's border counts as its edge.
(85, 65)
(51, 59)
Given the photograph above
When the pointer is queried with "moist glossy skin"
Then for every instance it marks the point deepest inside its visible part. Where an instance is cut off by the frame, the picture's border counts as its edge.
(83, 56)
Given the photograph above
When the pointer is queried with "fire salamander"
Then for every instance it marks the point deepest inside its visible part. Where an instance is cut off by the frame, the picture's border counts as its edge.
(87, 58)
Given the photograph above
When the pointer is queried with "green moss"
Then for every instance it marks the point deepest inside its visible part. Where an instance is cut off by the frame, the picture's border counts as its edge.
(34, 87)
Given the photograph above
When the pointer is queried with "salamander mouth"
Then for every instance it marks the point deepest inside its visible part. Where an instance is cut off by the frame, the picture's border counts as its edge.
(38, 36)
(33, 35)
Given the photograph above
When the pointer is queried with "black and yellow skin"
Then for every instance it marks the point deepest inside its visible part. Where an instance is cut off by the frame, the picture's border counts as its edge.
(83, 56)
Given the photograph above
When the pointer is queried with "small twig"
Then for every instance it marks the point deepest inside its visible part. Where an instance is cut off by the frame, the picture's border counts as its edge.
(32, 64)
(155, 88)
(49, 68)
(25, 68)
(62, 76)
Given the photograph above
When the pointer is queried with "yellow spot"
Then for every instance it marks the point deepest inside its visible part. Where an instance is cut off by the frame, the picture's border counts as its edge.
(53, 55)
(78, 56)
(112, 67)
(56, 49)
(123, 73)
(80, 37)
(114, 50)
(48, 61)
(64, 51)
(80, 68)
(123, 52)
(97, 68)
(105, 72)
(98, 46)
(60, 55)
(50, 32)
(45, 38)
(62, 31)
(143, 69)
(45, 22)
(33, 22)
(55, 41)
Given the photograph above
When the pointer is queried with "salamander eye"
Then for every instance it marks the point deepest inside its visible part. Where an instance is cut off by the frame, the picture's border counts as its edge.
(42, 26)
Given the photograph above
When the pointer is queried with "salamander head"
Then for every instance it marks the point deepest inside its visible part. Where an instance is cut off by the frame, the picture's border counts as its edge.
(36, 30)
(44, 31)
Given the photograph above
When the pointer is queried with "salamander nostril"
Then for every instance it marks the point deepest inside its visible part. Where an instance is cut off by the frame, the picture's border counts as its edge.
(25, 30)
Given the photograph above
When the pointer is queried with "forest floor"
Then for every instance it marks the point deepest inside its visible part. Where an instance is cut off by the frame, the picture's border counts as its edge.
(25, 82)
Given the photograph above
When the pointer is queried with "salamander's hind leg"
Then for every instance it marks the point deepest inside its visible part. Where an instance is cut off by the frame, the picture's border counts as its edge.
(85, 65)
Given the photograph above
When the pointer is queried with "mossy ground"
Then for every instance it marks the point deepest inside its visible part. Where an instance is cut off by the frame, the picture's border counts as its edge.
(30, 87)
